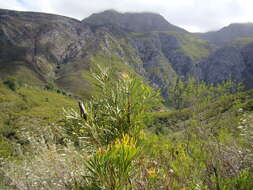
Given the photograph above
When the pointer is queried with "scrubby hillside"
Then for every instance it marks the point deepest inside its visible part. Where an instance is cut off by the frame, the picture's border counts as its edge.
(29, 110)
(128, 139)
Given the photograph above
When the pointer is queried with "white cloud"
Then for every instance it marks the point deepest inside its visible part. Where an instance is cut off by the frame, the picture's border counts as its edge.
(12, 4)
(194, 15)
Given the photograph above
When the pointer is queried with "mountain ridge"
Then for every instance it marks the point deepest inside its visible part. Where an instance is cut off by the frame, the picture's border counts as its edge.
(227, 33)
(45, 48)
(134, 22)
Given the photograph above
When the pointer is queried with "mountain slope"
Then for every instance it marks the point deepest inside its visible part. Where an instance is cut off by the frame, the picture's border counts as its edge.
(47, 43)
(40, 48)
(133, 22)
(228, 33)
(228, 63)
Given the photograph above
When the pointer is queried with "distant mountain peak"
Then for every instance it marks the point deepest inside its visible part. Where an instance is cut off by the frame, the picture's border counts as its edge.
(132, 21)
(240, 24)
(228, 33)
(112, 11)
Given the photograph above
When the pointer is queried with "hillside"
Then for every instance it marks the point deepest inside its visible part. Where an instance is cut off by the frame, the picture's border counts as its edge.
(127, 135)
(121, 101)
(228, 33)
(63, 50)
(40, 49)
(28, 110)
(133, 22)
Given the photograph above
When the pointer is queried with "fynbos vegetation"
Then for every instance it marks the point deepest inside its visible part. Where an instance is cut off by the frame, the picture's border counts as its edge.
(129, 140)
(124, 101)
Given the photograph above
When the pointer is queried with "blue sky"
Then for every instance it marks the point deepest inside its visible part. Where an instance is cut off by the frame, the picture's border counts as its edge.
(193, 15)
(22, 2)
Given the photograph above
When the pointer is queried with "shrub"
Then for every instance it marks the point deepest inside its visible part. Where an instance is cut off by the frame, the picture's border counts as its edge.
(120, 108)
(50, 169)
(6, 149)
(115, 118)
(192, 92)
(243, 181)
(12, 83)
(113, 168)
(50, 86)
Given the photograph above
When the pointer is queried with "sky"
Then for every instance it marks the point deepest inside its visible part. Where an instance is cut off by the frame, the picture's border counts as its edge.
(192, 15)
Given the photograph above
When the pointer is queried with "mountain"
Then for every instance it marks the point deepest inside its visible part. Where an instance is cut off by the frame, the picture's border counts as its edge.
(228, 33)
(133, 22)
(225, 63)
(37, 47)
(230, 57)
(41, 48)
(44, 49)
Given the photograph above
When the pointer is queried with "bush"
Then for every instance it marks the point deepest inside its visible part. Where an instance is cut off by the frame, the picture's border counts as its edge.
(6, 149)
(120, 108)
(192, 92)
(52, 87)
(50, 169)
(113, 167)
(12, 83)
(115, 119)
(243, 181)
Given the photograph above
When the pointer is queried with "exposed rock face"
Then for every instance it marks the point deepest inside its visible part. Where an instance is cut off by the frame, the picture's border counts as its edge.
(52, 47)
(226, 63)
(40, 48)
(170, 48)
(157, 67)
(46, 39)
(247, 54)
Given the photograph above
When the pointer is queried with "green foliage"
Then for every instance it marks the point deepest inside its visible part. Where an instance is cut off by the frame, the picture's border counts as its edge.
(52, 87)
(242, 181)
(206, 143)
(27, 113)
(115, 118)
(113, 168)
(6, 149)
(193, 92)
(21, 72)
(113, 61)
(200, 150)
(206, 137)
(119, 109)
(192, 46)
(241, 41)
(198, 156)
(12, 83)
